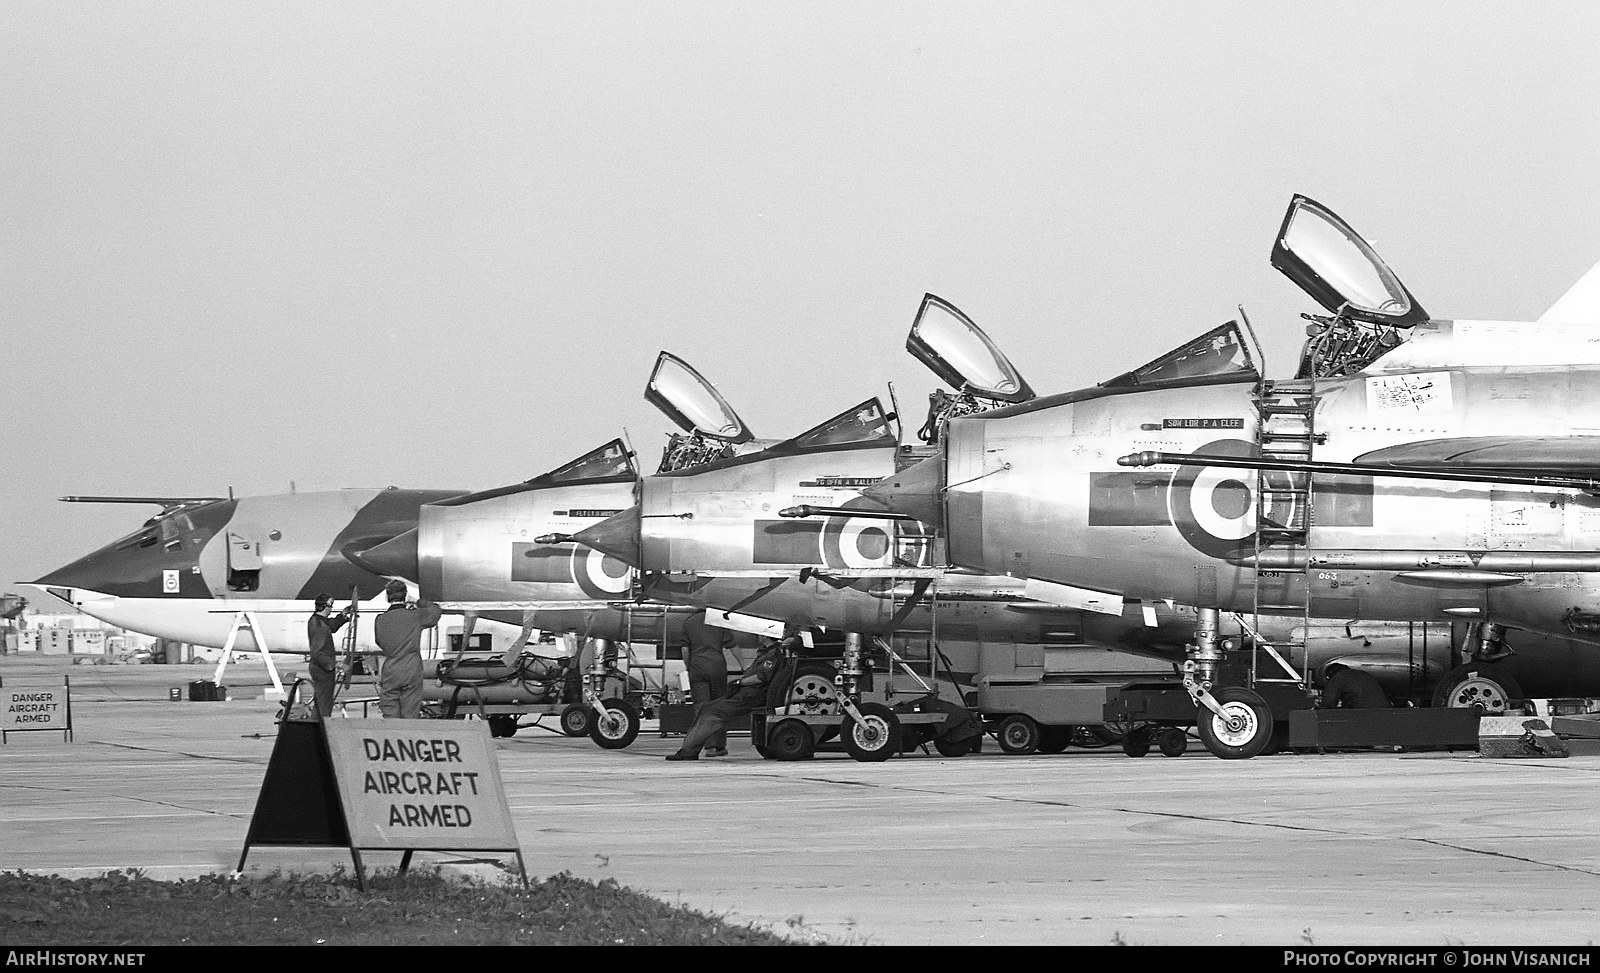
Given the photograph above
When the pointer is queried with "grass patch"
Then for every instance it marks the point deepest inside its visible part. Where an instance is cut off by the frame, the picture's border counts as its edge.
(126, 909)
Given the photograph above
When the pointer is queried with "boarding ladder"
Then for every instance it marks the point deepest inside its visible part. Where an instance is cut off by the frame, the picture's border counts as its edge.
(1287, 412)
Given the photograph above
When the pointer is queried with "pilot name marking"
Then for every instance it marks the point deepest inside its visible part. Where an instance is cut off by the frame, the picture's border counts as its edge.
(585, 512)
(1202, 423)
(841, 481)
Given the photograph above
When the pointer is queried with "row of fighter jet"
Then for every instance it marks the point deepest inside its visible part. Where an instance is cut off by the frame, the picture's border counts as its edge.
(1417, 478)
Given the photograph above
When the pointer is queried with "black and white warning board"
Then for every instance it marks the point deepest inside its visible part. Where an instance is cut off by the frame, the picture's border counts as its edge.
(369, 785)
(420, 784)
(26, 708)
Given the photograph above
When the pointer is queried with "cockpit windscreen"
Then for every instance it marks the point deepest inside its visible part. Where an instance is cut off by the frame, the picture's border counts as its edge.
(1220, 351)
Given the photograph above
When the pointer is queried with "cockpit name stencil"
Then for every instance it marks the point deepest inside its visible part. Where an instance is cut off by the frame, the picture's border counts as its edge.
(1202, 423)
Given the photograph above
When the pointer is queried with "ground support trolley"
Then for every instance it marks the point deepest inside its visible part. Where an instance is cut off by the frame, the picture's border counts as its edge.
(869, 722)
(597, 700)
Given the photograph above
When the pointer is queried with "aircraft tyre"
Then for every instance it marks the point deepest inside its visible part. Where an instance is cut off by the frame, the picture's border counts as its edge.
(789, 740)
(617, 728)
(1136, 742)
(575, 720)
(876, 737)
(1055, 739)
(1475, 685)
(1244, 733)
(503, 726)
(1172, 741)
(813, 692)
(1018, 734)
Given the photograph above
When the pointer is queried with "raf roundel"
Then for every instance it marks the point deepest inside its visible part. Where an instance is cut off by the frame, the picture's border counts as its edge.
(1214, 507)
(857, 542)
(600, 575)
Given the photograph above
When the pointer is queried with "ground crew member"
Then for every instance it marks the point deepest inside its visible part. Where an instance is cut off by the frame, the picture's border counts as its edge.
(398, 633)
(324, 659)
(703, 646)
(1349, 688)
(750, 692)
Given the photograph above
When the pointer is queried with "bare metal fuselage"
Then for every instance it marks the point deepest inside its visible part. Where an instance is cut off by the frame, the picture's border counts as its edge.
(1036, 491)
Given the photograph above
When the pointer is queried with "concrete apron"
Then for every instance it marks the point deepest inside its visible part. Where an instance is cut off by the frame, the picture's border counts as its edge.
(1086, 847)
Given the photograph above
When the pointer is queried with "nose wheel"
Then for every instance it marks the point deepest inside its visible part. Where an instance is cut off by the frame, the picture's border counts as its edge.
(875, 736)
(1243, 728)
(616, 728)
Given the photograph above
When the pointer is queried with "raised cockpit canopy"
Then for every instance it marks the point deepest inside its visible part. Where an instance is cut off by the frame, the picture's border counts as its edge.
(1219, 352)
(960, 353)
(1332, 263)
(610, 460)
(691, 401)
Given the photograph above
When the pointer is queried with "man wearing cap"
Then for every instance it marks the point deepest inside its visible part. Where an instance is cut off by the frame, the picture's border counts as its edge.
(324, 659)
(398, 633)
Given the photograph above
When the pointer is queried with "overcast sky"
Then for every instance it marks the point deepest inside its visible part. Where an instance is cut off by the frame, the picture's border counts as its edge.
(439, 245)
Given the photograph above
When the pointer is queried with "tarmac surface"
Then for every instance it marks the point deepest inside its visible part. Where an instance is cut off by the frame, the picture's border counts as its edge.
(1082, 848)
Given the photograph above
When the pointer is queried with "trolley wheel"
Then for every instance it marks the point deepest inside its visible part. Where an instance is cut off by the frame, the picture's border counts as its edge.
(1244, 732)
(957, 748)
(503, 726)
(790, 740)
(617, 728)
(1018, 734)
(1094, 736)
(1172, 741)
(1055, 739)
(875, 737)
(575, 720)
(1136, 742)
(1280, 739)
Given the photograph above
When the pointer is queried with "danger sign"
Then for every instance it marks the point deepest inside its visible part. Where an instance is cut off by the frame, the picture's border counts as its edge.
(406, 785)
(421, 784)
(35, 708)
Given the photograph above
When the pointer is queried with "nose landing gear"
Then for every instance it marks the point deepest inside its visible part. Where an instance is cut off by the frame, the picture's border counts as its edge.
(1235, 723)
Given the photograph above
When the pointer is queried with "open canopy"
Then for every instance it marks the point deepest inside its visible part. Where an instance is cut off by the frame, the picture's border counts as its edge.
(691, 402)
(1328, 260)
(960, 353)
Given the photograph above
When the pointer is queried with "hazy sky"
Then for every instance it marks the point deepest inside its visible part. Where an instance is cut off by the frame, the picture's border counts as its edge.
(361, 244)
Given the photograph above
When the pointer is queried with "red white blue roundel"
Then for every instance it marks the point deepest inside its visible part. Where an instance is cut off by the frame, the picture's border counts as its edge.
(857, 542)
(1214, 507)
(600, 575)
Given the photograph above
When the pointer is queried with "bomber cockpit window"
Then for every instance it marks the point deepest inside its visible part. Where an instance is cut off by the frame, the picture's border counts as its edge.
(1220, 351)
(173, 529)
(612, 459)
(691, 401)
(865, 423)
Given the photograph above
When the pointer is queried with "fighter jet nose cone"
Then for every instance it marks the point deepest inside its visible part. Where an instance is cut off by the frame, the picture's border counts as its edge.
(394, 558)
(93, 573)
(916, 491)
(617, 535)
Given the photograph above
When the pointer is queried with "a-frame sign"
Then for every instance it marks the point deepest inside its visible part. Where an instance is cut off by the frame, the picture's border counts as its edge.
(391, 785)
